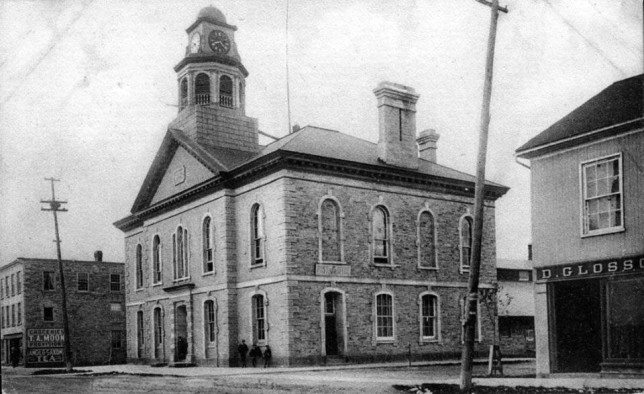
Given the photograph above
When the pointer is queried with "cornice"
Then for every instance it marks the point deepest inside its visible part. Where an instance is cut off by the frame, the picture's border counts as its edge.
(195, 59)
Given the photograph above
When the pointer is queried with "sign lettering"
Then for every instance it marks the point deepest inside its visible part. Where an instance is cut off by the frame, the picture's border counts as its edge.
(591, 269)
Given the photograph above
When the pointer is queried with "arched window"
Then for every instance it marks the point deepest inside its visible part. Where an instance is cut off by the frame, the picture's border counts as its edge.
(226, 91)
(156, 260)
(384, 316)
(259, 319)
(429, 315)
(381, 237)
(427, 240)
(183, 92)
(257, 235)
(202, 89)
(207, 241)
(466, 242)
(330, 242)
(140, 335)
(209, 320)
(139, 266)
(241, 95)
(180, 253)
(158, 333)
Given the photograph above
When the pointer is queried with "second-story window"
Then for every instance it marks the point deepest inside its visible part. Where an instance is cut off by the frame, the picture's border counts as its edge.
(139, 266)
(257, 235)
(330, 232)
(115, 282)
(427, 240)
(18, 282)
(156, 259)
(202, 89)
(13, 285)
(208, 250)
(48, 280)
(180, 253)
(226, 91)
(602, 196)
(381, 236)
(82, 281)
(466, 242)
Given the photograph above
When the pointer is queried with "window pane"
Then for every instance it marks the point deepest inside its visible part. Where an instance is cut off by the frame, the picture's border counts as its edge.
(626, 319)
(590, 173)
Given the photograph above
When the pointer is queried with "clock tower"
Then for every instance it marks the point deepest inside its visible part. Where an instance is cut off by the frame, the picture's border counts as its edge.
(211, 80)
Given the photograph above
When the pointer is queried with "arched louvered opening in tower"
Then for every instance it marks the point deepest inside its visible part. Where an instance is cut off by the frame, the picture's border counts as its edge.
(202, 89)
(226, 91)
(183, 94)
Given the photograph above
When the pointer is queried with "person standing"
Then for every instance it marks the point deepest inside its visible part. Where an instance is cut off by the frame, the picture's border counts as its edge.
(242, 349)
(14, 355)
(267, 356)
(255, 353)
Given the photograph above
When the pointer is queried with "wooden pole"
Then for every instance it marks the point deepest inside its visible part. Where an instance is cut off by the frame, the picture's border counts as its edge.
(477, 235)
(55, 207)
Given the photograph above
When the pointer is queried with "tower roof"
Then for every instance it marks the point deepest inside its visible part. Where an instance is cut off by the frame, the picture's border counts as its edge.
(212, 14)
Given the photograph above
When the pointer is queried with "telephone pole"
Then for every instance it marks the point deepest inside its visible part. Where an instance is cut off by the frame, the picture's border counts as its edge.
(55, 206)
(479, 188)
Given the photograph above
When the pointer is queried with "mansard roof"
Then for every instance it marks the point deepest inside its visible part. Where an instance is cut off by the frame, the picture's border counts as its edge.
(310, 149)
(616, 109)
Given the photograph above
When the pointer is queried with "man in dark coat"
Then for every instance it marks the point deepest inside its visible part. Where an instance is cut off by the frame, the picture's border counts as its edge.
(242, 349)
(14, 355)
(267, 356)
(255, 353)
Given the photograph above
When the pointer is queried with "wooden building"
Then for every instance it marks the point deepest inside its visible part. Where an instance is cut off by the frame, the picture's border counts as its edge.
(588, 231)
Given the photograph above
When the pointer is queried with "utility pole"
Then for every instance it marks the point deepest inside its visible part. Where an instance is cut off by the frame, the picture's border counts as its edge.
(55, 207)
(477, 236)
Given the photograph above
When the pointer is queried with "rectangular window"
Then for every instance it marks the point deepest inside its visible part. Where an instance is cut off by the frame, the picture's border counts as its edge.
(117, 340)
(13, 315)
(115, 282)
(6, 286)
(48, 280)
(116, 307)
(83, 281)
(259, 315)
(19, 314)
(48, 313)
(140, 335)
(209, 312)
(429, 316)
(13, 286)
(18, 283)
(602, 195)
(384, 316)
(2, 288)
(524, 276)
(2, 316)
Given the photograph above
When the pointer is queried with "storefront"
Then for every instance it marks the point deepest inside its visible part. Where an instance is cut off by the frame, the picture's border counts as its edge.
(596, 316)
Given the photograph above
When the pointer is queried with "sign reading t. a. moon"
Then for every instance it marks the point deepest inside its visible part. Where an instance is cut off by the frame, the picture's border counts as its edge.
(45, 346)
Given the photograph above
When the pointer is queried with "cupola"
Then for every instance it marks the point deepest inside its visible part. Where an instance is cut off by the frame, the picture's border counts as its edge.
(211, 72)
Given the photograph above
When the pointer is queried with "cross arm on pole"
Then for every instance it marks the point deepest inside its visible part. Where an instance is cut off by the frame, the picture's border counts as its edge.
(489, 4)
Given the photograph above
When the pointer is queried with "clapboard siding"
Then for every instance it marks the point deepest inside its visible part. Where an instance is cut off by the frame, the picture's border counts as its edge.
(556, 204)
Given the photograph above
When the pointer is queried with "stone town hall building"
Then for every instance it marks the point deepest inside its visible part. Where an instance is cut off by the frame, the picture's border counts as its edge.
(321, 245)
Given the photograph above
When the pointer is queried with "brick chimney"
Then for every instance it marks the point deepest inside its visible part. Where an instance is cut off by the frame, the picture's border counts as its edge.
(427, 145)
(397, 130)
(98, 256)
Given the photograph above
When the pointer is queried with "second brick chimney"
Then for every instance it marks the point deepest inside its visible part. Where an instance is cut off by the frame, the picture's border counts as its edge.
(397, 119)
(427, 145)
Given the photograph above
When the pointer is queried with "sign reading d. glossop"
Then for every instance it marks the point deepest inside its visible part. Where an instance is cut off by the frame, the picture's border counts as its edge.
(45, 345)
(590, 269)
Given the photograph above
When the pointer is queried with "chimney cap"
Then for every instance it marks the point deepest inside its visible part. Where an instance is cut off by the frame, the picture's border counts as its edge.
(396, 90)
(427, 135)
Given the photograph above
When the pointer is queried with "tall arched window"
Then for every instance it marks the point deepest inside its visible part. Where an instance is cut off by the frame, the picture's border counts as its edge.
(139, 266)
(259, 318)
(257, 235)
(202, 89)
(158, 333)
(429, 315)
(180, 253)
(209, 320)
(241, 95)
(427, 240)
(208, 249)
(140, 335)
(183, 92)
(384, 316)
(156, 260)
(330, 227)
(466, 242)
(226, 91)
(381, 237)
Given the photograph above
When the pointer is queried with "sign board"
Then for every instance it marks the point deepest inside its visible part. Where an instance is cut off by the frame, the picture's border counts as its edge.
(627, 265)
(45, 345)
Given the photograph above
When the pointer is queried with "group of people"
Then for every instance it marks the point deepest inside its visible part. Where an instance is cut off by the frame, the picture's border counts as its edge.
(254, 354)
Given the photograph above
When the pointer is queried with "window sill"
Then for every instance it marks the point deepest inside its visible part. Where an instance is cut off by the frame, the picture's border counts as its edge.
(381, 341)
(604, 231)
(333, 262)
(179, 280)
(157, 284)
(138, 289)
(429, 340)
(421, 268)
(209, 273)
(464, 270)
(254, 266)
(382, 265)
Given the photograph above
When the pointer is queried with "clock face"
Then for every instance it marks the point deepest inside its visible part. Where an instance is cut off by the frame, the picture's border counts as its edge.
(218, 41)
(195, 43)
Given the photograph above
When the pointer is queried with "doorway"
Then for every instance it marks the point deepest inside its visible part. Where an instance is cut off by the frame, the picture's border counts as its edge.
(333, 307)
(181, 333)
(577, 326)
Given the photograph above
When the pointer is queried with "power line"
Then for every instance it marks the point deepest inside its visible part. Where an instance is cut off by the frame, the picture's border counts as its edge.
(56, 39)
(588, 41)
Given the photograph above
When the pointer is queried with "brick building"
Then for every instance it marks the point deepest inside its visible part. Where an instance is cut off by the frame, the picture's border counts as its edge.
(587, 232)
(32, 318)
(322, 245)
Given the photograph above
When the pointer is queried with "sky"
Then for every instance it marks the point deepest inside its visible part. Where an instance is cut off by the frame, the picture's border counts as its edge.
(87, 89)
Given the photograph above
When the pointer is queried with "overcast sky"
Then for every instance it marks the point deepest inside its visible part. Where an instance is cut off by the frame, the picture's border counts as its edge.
(87, 89)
